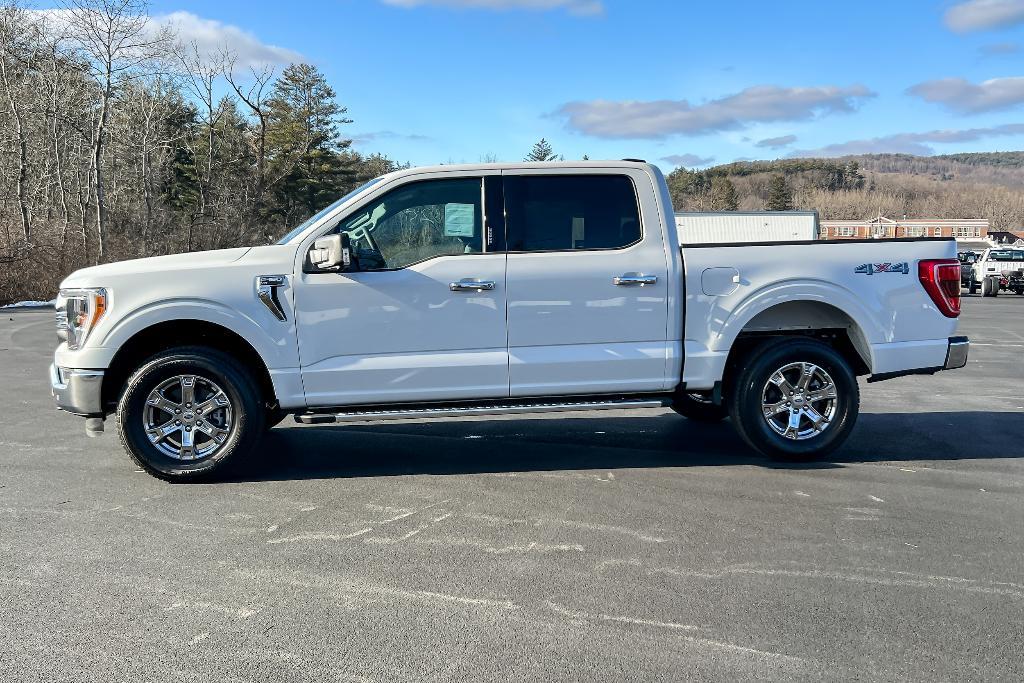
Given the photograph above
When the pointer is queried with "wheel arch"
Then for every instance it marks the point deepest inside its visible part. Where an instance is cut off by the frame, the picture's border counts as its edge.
(803, 318)
(169, 334)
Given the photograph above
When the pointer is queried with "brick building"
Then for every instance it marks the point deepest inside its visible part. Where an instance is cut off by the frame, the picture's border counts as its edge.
(963, 229)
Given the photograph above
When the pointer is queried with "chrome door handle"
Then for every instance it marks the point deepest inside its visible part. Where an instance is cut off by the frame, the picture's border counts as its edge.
(630, 279)
(471, 285)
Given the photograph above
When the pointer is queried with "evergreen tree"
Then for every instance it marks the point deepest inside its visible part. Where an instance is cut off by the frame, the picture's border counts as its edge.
(780, 196)
(542, 151)
(307, 171)
(723, 195)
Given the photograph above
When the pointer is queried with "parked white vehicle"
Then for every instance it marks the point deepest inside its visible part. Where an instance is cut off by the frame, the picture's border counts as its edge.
(998, 268)
(487, 289)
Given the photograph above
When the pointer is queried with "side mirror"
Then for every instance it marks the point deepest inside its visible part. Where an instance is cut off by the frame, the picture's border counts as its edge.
(333, 252)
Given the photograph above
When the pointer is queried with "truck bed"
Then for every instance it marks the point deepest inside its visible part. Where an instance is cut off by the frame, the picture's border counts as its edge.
(870, 288)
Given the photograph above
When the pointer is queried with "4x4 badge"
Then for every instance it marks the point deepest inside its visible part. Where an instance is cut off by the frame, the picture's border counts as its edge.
(872, 268)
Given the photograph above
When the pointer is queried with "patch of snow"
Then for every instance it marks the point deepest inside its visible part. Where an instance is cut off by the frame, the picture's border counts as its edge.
(31, 304)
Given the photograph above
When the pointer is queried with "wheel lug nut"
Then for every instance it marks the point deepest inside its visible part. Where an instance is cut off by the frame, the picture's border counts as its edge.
(177, 422)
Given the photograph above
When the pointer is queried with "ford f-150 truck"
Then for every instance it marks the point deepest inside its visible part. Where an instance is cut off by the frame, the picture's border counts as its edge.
(493, 289)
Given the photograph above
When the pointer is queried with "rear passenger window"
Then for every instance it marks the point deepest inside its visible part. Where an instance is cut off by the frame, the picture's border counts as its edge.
(560, 213)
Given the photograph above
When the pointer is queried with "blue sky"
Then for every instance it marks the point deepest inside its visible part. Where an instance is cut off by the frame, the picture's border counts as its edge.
(433, 81)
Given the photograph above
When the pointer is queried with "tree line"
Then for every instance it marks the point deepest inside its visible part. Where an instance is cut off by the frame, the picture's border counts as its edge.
(985, 185)
(120, 141)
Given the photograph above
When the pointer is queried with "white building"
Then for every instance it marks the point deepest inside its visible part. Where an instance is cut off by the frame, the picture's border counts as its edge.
(746, 226)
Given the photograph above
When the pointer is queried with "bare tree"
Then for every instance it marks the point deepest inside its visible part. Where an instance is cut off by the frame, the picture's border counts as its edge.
(18, 33)
(117, 40)
(254, 95)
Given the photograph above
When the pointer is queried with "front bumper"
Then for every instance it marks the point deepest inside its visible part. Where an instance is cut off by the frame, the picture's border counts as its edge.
(77, 391)
(956, 353)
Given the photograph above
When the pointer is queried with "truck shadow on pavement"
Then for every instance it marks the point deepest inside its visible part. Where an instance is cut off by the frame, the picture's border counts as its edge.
(597, 443)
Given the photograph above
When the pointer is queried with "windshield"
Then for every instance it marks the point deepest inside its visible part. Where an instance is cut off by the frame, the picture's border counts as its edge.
(1006, 255)
(323, 212)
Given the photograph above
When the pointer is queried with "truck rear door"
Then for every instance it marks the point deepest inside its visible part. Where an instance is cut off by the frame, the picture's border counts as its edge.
(586, 283)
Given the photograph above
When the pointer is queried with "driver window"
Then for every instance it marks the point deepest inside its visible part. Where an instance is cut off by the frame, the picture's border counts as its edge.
(416, 222)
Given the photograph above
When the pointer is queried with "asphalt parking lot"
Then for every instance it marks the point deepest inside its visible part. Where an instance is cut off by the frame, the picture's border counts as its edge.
(632, 546)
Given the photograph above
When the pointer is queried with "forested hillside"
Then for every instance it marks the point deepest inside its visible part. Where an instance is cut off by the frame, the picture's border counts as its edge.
(982, 185)
(119, 141)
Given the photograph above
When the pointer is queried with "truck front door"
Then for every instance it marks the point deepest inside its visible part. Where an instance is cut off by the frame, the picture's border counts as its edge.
(423, 318)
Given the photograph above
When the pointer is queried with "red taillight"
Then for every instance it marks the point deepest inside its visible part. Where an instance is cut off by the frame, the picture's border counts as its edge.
(941, 279)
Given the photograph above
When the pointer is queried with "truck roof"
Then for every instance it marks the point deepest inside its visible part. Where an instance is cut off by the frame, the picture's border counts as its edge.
(515, 165)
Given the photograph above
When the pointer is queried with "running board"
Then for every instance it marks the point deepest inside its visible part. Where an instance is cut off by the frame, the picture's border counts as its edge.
(498, 408)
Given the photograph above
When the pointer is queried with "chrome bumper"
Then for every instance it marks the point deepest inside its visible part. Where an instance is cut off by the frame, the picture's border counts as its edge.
(77, 391)
(956, 353)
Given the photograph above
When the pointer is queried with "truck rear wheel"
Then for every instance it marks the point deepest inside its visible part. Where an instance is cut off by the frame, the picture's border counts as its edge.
(990, 286)
(187, 412)
(794, 399)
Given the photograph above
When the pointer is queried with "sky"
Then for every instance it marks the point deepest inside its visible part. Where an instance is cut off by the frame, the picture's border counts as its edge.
(676, 82)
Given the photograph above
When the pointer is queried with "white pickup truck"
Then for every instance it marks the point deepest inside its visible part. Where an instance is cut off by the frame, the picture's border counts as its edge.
(999, 268)
(494, 289)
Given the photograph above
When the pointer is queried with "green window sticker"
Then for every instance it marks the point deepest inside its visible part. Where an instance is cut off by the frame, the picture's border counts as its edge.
(459, 220)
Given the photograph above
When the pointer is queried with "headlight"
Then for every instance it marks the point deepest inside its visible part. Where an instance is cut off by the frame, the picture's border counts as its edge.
(78, 311)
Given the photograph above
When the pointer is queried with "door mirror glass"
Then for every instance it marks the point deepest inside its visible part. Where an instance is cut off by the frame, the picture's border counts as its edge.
(332, 253)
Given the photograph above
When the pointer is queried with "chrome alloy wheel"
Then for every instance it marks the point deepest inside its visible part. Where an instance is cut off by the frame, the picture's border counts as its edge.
(187, 417)
(799, 401)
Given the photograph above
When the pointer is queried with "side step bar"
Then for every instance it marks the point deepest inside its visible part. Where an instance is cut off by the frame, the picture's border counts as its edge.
(365, 414)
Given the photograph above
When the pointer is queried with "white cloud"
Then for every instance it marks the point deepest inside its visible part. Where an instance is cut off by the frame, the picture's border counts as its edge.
(661, 118)
(373, 136)
(210, 36)
(577, 7)
(687, 160)
(776, 143)
(910, 143)
(978, 15)
(999, 49)
(963, 96)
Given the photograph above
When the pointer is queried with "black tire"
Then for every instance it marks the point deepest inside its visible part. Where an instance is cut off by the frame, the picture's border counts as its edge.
(986, 287)
(698, 407)
(972, 287)
(211, 368)
(747, 392)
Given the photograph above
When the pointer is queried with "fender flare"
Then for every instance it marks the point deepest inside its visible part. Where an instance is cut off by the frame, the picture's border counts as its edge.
(274, 353)
(776, 293)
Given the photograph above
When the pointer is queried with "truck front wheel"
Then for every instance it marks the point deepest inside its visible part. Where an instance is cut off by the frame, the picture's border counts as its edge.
(795, 399)
(187, 412)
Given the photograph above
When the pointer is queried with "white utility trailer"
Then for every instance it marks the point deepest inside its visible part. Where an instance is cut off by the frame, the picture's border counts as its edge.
(746, 226)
